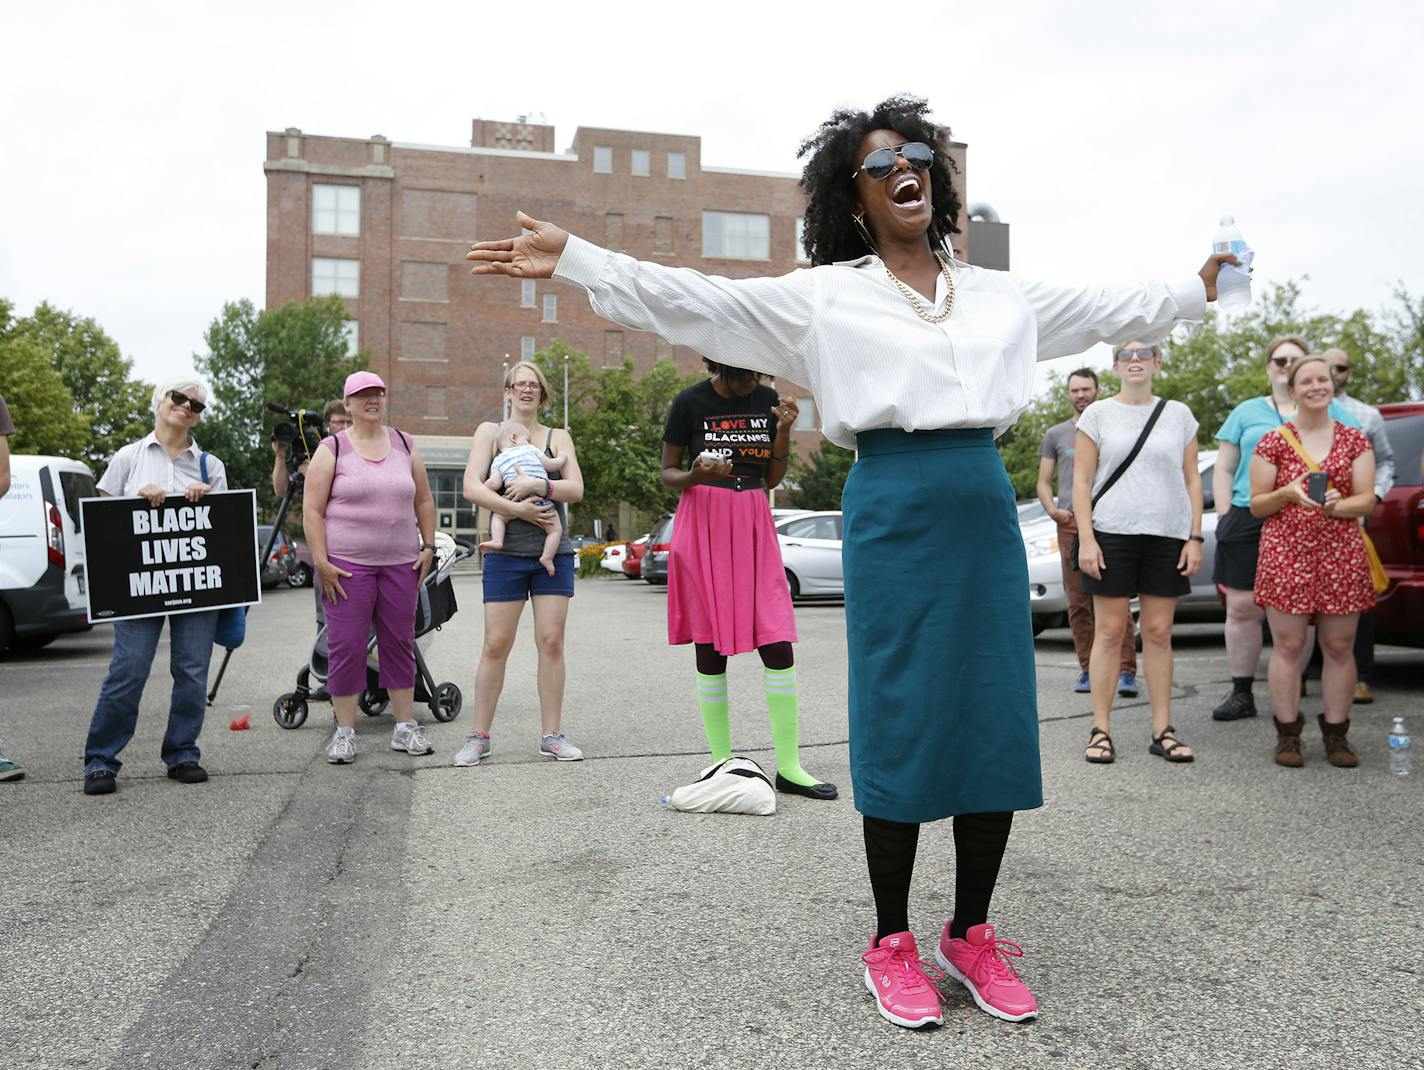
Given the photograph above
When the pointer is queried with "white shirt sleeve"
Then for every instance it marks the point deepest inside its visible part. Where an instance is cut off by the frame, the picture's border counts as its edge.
(117, 474)
(217, 473)
(1074, 318)
(762, 325)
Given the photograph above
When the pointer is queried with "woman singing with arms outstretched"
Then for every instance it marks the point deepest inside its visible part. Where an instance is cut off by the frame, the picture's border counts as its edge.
(917, 361)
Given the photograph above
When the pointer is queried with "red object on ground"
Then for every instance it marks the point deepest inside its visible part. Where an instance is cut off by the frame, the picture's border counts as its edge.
(239, 724)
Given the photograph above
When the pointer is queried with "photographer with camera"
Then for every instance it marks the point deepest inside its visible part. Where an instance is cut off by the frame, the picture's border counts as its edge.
(292, 445)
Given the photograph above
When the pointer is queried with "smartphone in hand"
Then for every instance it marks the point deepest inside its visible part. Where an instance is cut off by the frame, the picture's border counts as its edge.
(1315, 484)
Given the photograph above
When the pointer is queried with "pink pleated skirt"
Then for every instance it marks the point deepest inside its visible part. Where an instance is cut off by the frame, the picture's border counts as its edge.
(726, 582)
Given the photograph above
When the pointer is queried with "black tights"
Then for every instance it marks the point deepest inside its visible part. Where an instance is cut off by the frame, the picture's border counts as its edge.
(979, 842)
(773, 656)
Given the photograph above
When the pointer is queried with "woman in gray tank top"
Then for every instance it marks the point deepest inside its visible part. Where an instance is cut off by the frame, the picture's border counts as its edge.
(514, 575)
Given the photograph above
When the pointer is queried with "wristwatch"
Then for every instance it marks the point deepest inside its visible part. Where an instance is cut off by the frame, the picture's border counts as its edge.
(1197, 538)
(428, 546)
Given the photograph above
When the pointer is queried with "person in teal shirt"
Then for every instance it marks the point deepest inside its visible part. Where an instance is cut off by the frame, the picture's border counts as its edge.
(1238, 533)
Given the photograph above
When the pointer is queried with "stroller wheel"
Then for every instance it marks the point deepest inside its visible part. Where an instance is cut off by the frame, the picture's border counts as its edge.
(290, 711)
(445, 704)
(373, 703)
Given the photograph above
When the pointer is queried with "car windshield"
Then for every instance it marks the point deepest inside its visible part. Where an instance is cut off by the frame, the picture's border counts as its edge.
(76, 485)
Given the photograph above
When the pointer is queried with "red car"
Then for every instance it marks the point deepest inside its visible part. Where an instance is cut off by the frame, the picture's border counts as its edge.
(633, 558)
(1397, 528)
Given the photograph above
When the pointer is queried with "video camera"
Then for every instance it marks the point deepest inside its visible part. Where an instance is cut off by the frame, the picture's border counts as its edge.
(301, 433)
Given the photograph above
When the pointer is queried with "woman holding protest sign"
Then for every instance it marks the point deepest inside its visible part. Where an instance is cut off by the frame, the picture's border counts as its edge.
(369, 518)
(166, 461)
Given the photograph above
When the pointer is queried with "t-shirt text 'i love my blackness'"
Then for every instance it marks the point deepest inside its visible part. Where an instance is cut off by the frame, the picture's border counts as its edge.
(740, 429)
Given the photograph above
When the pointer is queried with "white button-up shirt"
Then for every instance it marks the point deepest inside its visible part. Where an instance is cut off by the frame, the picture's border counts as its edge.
(146, 461)
(1372, 424)
(845, 332)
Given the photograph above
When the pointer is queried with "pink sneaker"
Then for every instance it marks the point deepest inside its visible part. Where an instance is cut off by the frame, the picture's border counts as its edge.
(904, 993)
(981, 963)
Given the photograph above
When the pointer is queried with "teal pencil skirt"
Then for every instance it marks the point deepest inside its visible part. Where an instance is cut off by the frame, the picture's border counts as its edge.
(943, 702)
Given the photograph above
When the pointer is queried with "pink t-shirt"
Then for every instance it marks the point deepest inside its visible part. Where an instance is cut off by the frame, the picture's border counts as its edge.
(370, 515)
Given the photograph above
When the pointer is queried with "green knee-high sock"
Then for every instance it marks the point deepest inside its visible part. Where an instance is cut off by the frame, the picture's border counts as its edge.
(716, 720)
(781, 701)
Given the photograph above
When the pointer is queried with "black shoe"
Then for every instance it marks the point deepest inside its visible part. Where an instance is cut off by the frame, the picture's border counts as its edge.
(321, 694)
(815, 791)
(1235, 706)
(188, 773)
(100, 783)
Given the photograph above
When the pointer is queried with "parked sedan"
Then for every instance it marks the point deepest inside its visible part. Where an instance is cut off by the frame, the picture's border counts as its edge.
(613, 555)
(1397, 528)
(654, 567)
(278, 566)
(1045, 569)
(633, 558)
(811, 554)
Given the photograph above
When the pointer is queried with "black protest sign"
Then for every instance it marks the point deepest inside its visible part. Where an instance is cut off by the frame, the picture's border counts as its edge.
(181, 557)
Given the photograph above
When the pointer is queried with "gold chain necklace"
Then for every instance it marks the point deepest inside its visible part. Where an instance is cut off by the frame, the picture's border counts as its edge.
(914, 298)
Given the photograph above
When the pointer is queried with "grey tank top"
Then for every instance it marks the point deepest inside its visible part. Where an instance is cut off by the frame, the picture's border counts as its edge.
(523, 539)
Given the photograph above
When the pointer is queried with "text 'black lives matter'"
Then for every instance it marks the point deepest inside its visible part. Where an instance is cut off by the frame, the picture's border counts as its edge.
(181, 557)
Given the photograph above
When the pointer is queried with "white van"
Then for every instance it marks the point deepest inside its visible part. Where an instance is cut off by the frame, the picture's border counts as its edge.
(42, 551)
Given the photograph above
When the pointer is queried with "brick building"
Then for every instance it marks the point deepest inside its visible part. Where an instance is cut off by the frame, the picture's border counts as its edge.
(387, 224)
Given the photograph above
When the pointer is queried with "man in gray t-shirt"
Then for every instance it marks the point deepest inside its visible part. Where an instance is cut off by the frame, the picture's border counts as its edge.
(1057, 452)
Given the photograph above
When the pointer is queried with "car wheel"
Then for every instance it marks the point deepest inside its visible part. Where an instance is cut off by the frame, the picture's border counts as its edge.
(299, 576)
(33, 642)
(1039, 625)
(793, 583)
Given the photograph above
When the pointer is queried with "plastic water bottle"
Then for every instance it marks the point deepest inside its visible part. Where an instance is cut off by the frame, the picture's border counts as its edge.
(1233, 284)
(1400, 763)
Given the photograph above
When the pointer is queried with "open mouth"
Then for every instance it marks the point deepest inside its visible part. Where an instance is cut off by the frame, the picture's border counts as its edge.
(907, 192)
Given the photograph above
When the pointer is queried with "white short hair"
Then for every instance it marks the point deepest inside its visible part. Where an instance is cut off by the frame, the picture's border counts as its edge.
(185, 383)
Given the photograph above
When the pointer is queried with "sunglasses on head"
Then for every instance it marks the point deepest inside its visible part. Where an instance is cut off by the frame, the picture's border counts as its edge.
(881, 162)
(1135, 354)
(180, 399)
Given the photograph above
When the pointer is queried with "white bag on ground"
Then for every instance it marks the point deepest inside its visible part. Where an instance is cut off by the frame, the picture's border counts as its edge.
(736, 786)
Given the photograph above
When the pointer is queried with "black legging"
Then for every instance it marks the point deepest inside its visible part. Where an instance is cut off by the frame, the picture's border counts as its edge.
(773, 656)
(979, 842)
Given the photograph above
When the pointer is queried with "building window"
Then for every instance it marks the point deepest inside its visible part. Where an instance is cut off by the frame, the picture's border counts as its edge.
(613, 231)
(352, 331)
(602, 160)
(435, 403)
(662, 234)
(677, 165)
(612, 348)
(641, 162)
(736, 235)
(526, 348)
(336, 210)
(805, 414)
(551, 308)
(801, 257)
(336, 276)
(526, 293)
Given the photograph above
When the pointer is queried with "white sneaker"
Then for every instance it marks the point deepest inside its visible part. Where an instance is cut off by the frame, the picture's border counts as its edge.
(410, 737)
(558, 746)
(342, 748)
(475, 748)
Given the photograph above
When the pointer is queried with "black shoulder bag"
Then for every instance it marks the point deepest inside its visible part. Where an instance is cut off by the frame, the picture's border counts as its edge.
(1117, 473)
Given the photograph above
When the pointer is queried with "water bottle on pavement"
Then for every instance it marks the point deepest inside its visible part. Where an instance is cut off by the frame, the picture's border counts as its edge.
(1233, 284)
(1400, 763)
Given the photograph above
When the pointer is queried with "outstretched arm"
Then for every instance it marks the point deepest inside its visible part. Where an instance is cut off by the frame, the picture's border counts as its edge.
(759, 324)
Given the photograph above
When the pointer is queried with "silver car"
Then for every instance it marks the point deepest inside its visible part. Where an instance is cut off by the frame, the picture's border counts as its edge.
(811, 554)
(1045, 569)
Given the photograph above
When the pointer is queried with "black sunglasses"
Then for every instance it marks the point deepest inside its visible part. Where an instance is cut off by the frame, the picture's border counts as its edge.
(881, 162)
(1279, 362)
(180, 399)
(1339, 369)
(1135, 354)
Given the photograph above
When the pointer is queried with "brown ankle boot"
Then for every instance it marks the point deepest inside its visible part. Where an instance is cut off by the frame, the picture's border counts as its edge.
(1337, 748)
(1288, 743)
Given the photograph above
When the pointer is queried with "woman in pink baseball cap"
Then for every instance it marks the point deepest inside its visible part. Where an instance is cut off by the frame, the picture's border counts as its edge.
(370, 522)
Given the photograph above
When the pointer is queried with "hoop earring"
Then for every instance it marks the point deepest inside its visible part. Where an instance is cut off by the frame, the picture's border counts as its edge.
(859, 221)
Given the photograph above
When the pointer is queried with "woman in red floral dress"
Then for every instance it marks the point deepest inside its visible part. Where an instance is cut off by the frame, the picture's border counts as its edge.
(1312, 566)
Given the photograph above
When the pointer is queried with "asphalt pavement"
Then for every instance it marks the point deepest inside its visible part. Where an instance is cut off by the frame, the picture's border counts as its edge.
(401, 913)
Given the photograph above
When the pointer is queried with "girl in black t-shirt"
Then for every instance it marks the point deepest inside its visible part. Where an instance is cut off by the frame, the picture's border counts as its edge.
(727, 591)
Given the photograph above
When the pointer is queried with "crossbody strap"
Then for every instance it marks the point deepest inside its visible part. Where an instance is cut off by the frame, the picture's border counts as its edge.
(1136, 449)
(1295, 444)
(203, 466)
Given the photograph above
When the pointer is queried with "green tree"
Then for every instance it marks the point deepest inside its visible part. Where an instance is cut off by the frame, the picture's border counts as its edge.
(99, 379)
(41, 406)
(294, 355)
(817, 481)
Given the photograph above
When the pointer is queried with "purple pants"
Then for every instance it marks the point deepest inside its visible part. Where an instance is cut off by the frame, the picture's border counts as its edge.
(385, 595)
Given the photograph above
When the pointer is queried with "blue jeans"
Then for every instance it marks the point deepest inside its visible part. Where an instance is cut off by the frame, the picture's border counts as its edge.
(190, 637)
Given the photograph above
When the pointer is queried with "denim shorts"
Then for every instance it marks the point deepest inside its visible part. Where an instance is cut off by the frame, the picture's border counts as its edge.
(514, 579)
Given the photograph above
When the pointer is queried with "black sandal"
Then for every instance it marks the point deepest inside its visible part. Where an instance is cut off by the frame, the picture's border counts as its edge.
(1167, 744)
(1103, 744)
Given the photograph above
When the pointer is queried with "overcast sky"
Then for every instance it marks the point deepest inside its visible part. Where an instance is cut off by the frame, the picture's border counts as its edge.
(1111, 135)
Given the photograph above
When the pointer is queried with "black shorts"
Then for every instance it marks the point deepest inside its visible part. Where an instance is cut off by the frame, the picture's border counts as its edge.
(1138, 564)
(1238, 543)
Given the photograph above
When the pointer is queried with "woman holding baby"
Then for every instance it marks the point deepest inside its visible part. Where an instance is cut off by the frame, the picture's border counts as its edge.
(531, 508)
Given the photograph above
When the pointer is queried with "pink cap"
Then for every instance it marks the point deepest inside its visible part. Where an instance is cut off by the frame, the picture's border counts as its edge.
(361, 381)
